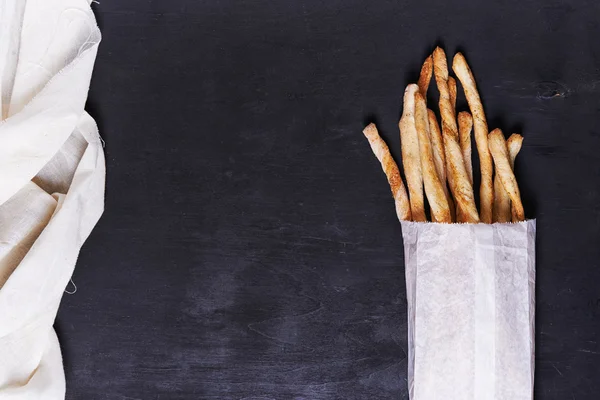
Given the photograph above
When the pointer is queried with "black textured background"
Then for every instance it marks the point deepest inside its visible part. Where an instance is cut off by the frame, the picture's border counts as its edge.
(250, 249)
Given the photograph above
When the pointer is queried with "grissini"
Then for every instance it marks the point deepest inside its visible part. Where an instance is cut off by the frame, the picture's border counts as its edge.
(437, 144)
(501, 202)
(460, 185)
(433, 187)
(439, 158)
(514, 143)
(382, 152)
(465, 124)
(499, 151)
(501, 212)
(425, 76)
(452, 92)
(411, 159)
(486, 191)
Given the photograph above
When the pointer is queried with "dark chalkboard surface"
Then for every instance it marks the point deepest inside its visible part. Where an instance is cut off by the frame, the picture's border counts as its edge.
(250, 249)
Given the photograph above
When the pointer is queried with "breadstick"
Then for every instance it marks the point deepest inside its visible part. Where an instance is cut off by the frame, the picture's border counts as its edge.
(439, 157)
(382, 152)
(501, 202)
(425, 76)
(486, 191)
(410, 155)
(514, 143)
(452, 90)
(465, 124)
(433, 187)
(455, 166)
(499, 152)
(501, 212)
(438, 145)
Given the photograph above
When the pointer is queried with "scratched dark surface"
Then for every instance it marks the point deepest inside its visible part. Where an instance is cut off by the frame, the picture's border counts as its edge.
(249, 248)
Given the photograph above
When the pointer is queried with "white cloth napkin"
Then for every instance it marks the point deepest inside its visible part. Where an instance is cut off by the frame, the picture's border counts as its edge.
(52, 181)
(471, 307)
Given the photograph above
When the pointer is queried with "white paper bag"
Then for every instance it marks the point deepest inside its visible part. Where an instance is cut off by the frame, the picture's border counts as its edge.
(471, 303)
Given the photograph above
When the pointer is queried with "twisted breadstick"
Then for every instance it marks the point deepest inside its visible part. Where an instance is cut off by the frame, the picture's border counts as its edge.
(499, 152)
(465, 124)
(439, 158)
(411, 159)
(452, 93)
(433, 186)
(382, 152)
(460, 184)
(514, 143)
(486, 191)
(425, 76)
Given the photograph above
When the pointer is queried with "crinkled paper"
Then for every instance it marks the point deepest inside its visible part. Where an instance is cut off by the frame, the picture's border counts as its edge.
(471, 303)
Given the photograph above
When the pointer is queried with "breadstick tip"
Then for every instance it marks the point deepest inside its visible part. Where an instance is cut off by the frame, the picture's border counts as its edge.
(370, 130)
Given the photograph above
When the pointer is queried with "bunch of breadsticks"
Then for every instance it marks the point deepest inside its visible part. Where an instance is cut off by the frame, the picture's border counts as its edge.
(438, 161)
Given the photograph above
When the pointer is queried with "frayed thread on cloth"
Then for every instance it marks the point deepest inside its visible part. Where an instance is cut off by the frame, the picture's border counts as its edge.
(74, 288)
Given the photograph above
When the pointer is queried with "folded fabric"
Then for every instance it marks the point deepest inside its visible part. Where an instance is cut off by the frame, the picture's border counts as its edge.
(52, 173)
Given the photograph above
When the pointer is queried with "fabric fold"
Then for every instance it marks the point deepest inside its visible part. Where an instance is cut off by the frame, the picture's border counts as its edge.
(53, 172)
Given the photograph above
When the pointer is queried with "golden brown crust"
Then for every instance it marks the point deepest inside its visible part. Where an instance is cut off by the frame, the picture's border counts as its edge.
(464, 74)
(390, 168)
(439, 158)
(501, 198)
(499, 152)
(433, 187)
(501, 202)
(425, 76)
(460, 184)
(452, 92)
(437, 144)
(503, 210)
(465, 124)
(514, 143)
(410, 155)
